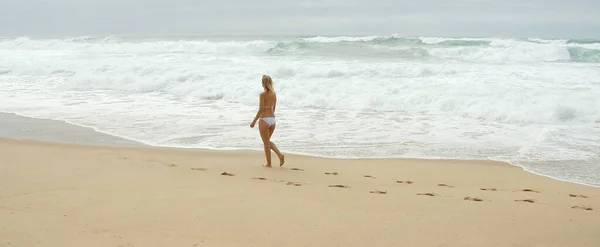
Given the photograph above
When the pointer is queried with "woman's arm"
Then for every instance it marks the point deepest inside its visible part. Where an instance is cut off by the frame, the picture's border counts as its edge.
(259, 112)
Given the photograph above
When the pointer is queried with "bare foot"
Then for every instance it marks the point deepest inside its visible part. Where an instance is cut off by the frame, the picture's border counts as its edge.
(281, 160)
(267, 166)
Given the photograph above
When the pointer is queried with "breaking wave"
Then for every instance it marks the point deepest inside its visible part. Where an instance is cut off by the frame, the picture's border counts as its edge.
(498, 50)
(530, 101)
(583, 55)
(583, 41)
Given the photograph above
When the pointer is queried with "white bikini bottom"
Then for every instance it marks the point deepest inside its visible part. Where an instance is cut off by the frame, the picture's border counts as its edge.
(269, 120)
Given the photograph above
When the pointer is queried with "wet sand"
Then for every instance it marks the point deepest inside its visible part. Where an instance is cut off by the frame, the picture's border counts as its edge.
(59, 194)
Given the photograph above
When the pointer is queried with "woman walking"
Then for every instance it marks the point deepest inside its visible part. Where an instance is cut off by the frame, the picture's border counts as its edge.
(266, 114)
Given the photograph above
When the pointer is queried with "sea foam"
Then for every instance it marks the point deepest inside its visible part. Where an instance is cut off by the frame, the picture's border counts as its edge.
(531, 102)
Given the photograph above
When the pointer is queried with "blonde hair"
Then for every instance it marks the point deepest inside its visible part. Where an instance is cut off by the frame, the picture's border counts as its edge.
(268, 84)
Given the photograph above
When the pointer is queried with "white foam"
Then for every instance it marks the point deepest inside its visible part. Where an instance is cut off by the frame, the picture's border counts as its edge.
(502, 101)
(321, 39)
(437, 40)
(117, 46)
(506, 51)
(548, 41)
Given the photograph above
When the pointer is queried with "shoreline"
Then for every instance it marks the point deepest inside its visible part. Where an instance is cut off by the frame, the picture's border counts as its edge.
(101, 138)
(289, 154)
(16, 126)
(81, 194)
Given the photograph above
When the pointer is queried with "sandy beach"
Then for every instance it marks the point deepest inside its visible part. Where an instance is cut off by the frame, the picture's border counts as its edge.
(58, 194)
(403, 123)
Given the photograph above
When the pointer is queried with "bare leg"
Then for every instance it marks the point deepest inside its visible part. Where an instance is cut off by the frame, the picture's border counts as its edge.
(274, 147)
(264, 134)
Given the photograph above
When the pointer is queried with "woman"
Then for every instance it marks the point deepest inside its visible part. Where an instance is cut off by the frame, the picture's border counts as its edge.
(266, 113)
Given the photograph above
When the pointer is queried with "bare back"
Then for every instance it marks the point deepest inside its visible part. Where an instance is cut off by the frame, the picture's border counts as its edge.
(268, 103)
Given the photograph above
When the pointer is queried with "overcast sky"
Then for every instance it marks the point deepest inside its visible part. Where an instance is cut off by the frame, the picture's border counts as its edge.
(464, 18)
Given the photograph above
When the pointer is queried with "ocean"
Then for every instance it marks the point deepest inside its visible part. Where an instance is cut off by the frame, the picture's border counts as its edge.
(532, 102)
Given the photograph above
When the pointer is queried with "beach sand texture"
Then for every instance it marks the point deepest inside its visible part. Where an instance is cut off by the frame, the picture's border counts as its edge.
(55, 194)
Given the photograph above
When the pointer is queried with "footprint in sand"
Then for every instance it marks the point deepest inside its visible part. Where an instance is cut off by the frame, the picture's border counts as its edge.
(489, 189)
(583, 208)
(338, 186)
(445, 185)
(296, 169)
(526, 200)
(577, 196)
(293, 183)
(227, 174)
(368, 176)
(259, 178)
(426, 194)
(198, 169)
(475, 199)
(331, 173)
(530, 190)
(161, 162)
(405, 182)
(378, 192)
